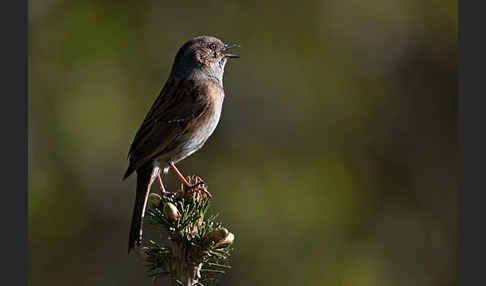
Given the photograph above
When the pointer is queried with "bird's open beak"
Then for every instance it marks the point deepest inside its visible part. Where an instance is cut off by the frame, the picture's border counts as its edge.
(227, 47)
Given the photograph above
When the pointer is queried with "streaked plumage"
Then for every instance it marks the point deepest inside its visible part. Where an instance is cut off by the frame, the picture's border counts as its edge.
(182, 118)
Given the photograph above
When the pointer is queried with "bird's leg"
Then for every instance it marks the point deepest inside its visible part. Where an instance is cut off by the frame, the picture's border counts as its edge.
(181, 177)
(186, 183)
(162, 188)
(161, 185)
(156, 175)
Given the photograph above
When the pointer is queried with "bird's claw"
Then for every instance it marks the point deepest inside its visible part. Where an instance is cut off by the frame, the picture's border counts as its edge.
(201, 186)
(195, 185)
(207, 193)
(169, 194)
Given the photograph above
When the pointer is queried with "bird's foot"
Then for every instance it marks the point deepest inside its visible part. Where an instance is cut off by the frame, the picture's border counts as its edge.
(195, 185)
(206, 192)
(198, 186)
(166, 194)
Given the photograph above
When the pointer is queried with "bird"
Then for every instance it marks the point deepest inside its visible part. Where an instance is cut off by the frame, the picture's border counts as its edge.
(181, 119)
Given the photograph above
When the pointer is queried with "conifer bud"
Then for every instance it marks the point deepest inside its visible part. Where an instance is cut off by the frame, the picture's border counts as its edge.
(228, 240)
(171, 212)
(216, 236)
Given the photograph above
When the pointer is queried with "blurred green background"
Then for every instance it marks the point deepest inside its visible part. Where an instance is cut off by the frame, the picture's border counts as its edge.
(334, 162)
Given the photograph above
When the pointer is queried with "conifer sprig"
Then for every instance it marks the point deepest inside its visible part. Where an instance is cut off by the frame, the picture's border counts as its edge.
(196, 243)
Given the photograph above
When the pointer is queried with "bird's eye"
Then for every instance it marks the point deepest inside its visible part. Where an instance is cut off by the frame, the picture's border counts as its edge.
(212, 46)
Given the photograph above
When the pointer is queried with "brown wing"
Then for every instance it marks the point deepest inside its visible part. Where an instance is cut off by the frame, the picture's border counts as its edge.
(178, 104)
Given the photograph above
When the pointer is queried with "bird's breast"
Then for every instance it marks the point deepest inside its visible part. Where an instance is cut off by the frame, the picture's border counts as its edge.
(207, 123)
(202, 127)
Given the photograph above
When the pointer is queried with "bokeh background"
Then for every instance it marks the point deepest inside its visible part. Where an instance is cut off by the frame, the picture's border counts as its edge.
(334, 162)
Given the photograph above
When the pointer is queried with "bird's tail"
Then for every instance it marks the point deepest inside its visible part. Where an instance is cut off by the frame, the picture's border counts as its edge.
(143, 189)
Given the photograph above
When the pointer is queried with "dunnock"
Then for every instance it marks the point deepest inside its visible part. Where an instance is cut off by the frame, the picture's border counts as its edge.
(180, 121)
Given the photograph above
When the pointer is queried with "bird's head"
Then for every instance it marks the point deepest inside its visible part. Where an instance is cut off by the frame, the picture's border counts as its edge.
(202, 58)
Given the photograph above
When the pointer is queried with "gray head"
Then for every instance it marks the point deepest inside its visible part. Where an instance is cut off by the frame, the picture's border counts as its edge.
(202, 58)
